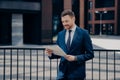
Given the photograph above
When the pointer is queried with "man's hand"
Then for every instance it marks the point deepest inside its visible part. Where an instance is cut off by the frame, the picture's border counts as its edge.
(49, 51)
(70, 57)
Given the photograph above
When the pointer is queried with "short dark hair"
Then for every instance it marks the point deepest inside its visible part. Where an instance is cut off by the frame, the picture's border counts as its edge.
(68, 12)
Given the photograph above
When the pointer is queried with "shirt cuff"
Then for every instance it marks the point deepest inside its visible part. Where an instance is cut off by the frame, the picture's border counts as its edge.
(75, 58)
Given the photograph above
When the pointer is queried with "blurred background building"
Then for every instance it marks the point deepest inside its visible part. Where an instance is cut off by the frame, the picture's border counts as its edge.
(38, 21)
(103, 17)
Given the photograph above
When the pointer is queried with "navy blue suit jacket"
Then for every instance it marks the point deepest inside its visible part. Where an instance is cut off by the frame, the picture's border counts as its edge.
(81, 47)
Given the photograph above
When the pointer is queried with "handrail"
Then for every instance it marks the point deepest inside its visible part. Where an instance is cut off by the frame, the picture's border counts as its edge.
(33, 64)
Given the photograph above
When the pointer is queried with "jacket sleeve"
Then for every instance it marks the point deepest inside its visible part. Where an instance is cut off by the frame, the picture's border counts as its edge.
(88, 48)
(53, 55)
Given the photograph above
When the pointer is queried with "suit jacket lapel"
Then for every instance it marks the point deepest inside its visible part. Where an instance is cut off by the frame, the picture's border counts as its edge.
(74, 39)
(63, 41)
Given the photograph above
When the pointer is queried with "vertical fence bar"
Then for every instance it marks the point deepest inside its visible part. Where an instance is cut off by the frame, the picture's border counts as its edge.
(50, 69)
(114, 66)
(43, 65)
(92, 69)
(10, 64)
(106, 65)
(17, 64)
(4, 65)
(23, 64)
(57, 67)
(99, 65)
(37, 65)
(30, 64)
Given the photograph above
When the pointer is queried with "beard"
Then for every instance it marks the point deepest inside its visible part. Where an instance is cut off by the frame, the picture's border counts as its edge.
(67, 26)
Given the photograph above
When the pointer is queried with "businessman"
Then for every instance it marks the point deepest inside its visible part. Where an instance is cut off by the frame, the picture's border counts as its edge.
(76, 42)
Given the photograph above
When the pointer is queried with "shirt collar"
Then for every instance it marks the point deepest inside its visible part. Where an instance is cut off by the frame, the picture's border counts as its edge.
(73, 29)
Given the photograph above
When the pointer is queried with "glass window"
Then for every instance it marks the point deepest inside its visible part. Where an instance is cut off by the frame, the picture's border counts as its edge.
(109, 29)
(98, 30)
(56, 19)
(104, 29)
(89, 28)
(104, 15)
(23, 0)
(90, 3)
(104, 3)
(89, 16)
(75, 8)
(17, 5)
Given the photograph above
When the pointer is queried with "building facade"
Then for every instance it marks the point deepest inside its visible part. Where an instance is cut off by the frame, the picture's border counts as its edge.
(103, 17)
(40, 19)
(36, 21)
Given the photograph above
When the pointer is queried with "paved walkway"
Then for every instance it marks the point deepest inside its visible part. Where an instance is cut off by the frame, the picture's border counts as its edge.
(99, 42)
(106, 42)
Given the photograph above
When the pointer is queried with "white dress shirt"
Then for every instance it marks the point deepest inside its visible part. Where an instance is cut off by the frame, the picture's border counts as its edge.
(72, 34)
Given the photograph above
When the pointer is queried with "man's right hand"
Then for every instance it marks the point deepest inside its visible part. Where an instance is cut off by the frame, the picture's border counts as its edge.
(49, 51)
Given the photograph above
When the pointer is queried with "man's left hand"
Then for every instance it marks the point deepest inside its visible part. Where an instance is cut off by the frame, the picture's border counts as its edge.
(70, 57)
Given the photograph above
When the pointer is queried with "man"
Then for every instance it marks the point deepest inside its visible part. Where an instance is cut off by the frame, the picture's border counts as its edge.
(77, 44)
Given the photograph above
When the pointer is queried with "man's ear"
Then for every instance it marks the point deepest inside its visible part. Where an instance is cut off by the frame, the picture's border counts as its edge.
(74, 18)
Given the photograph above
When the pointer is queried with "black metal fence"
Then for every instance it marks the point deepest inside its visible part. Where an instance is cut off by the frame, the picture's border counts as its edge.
(105, 65)
(33, 64)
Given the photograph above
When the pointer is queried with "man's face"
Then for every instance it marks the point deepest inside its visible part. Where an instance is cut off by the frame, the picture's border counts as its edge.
(68, 21)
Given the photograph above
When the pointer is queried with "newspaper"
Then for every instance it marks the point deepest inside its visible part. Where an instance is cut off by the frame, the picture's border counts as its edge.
(57, 50)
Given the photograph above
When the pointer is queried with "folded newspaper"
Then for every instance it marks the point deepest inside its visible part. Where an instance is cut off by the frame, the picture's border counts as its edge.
(57, 50)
